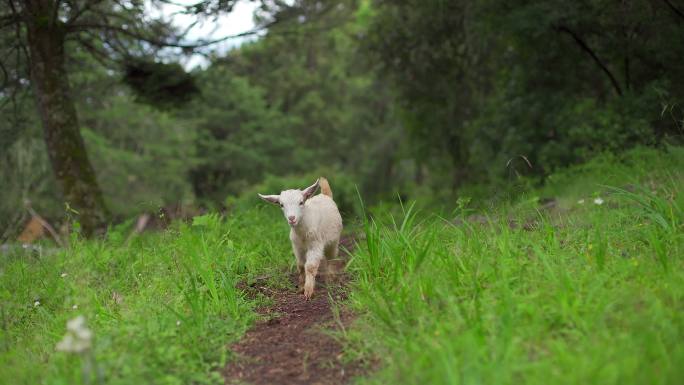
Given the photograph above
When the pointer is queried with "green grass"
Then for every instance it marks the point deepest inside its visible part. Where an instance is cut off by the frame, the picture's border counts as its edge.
(580, 293)
(585, 294)
(179, 306)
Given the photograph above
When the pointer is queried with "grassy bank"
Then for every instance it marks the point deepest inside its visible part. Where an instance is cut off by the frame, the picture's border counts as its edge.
(586, 289)
(161, 307)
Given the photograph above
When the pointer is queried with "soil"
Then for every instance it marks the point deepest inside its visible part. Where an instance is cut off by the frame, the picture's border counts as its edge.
(294, 345)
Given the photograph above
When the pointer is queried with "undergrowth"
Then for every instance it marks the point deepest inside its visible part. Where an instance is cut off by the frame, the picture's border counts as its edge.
(162, 307)
(586, 289)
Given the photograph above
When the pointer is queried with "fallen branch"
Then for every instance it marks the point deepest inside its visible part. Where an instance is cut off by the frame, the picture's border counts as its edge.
(45, 224)
(140, 226)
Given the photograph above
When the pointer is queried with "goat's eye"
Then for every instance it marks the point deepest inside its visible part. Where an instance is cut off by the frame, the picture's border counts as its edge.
(301, 203)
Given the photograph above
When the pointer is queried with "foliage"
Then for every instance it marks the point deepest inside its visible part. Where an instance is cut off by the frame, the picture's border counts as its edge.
(162, 306)
(584, 292)
(161, 84)
(146, 166)
(239, 136)
(335, 112)
(558, 82)
(569, 275)
(345, 191)
(143, 158)
(427, 100)
(580, 292)
(39, 34)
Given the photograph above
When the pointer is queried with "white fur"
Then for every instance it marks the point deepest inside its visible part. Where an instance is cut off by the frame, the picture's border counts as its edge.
(315, 228)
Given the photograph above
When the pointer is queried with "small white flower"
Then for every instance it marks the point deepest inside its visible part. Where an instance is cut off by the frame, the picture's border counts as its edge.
(598, 201)
(178, 323)
(75, 307)
(78, 337)
(66, 344)
(63, 275)
(581, 201)
(76, 324)
(36, 304)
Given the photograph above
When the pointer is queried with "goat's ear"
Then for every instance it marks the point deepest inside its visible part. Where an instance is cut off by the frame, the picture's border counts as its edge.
(275, 199)
(309, 191)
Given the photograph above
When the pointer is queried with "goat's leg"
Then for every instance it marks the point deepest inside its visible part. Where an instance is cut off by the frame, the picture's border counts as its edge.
(301, 260)
(313, 260)
(300, 279)
(332, 249)
(331, 267)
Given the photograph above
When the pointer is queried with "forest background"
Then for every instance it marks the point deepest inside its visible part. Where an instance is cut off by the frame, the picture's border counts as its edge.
(430, 99)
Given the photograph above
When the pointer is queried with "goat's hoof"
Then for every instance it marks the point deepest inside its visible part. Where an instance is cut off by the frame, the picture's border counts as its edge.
(308, 294)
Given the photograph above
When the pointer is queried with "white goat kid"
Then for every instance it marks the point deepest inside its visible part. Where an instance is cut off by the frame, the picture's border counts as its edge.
(315, 228)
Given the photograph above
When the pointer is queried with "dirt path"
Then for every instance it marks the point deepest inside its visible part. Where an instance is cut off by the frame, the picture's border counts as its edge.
(292, 347)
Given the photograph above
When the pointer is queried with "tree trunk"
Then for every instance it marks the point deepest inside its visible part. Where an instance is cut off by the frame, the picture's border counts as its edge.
(459, 161)
(65, 146)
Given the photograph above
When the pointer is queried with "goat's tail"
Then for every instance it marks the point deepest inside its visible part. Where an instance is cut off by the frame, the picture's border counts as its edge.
(325, 187)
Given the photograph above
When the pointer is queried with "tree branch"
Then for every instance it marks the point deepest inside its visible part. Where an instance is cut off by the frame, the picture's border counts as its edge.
(4, 69)
(17, 32)
(101, 57)
(8, 20)
(5, 83)
(161, 43)
(45, 224)
(80, 11)
(593, 55)
(55, 12)
(674, 9)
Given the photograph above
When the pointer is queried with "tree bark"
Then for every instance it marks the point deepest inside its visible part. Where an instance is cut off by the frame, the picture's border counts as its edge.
(65, 146)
